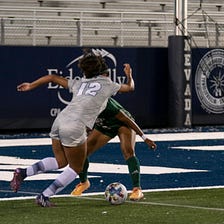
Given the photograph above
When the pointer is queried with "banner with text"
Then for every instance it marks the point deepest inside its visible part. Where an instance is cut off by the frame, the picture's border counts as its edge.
(150, 103)
(38, 108)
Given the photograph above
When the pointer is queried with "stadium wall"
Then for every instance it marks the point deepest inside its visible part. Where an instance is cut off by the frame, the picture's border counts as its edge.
(149, 103)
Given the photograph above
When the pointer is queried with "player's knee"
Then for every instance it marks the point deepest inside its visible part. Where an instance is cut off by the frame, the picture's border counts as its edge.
(128, 154)
(62, 162)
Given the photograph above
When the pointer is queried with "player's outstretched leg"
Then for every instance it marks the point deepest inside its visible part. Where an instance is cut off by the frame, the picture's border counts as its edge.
(46, 164)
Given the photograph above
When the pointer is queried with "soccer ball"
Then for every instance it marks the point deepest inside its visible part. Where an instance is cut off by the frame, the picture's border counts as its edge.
(116, 193)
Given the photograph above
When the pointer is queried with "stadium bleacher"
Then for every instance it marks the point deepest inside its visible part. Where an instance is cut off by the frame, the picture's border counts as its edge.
(106, 22)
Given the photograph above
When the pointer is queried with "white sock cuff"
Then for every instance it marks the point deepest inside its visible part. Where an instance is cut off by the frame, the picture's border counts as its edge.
(50, 163)
(46, 164)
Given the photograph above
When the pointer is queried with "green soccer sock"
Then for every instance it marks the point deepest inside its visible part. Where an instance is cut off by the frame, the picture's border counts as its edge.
(134, 170)
(83, 175)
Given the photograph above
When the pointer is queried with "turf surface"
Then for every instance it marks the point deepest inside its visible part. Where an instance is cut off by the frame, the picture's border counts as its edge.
(168, 207)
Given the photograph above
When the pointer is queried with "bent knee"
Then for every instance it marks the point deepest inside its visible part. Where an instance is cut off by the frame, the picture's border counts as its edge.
(62, 162)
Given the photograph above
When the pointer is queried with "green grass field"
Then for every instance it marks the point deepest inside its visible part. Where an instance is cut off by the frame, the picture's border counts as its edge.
(168, 207)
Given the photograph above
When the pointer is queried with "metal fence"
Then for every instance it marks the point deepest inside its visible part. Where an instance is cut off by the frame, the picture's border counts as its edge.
(40, 26)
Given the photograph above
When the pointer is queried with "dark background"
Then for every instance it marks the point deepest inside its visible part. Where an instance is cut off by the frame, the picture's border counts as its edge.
(148, 103)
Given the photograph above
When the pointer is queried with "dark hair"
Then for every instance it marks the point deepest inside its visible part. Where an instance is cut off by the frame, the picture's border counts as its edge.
(104, 67)
(90, 64)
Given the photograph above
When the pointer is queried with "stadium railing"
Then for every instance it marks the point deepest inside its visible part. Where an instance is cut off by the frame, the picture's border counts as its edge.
(147, 25)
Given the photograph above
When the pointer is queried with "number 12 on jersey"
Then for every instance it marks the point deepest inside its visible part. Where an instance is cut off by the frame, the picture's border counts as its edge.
(89, 88)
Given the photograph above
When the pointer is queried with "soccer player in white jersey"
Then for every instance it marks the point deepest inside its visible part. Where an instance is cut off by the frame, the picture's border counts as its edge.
(68, 132)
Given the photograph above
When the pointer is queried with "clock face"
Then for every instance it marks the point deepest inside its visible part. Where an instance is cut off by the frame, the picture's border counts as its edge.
(209, 81)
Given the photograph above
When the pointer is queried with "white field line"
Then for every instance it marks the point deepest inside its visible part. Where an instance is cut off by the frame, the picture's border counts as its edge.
(203, 148)
(25, 142)
(182, 136)
(163, 204)
(86, 197)
(8, 164)
(6, 175)
(154, 137)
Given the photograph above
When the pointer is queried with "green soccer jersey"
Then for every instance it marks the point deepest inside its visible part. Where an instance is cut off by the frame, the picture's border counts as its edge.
(106, 122)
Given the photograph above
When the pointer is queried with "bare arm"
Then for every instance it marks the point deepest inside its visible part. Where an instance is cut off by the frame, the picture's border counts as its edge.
(26, 86)
(130, 123)
(130, 85)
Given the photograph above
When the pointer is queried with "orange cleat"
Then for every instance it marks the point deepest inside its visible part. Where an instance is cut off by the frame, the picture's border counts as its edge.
(136, 194)
(80, 188)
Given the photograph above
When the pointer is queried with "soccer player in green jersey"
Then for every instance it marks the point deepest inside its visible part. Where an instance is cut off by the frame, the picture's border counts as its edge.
(115, 120)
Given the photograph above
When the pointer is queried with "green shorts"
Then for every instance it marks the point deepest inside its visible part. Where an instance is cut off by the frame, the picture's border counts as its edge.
(109, 127)
(106, 122)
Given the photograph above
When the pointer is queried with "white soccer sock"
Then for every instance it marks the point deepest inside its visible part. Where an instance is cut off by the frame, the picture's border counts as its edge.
(63, 180)
(42, 166)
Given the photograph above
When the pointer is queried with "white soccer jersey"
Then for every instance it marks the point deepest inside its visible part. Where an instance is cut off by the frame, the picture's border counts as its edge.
(89, 98)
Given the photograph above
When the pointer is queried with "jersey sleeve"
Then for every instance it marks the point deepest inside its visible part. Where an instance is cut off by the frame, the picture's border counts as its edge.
(70, 84)
(116, 87)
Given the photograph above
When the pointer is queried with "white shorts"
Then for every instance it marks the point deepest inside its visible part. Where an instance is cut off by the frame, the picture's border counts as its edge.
(69, 132)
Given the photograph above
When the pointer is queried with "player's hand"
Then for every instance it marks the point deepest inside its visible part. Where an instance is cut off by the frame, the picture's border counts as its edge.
(26, 86)
(151, 144)
(127, 70)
